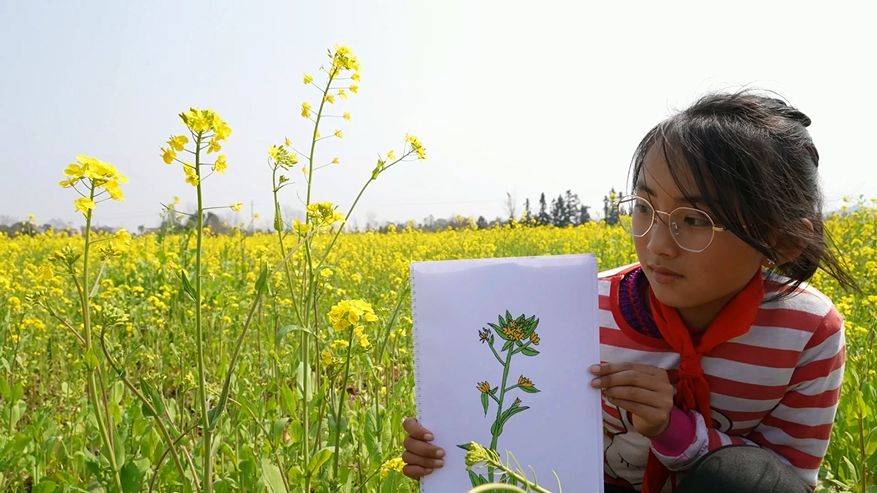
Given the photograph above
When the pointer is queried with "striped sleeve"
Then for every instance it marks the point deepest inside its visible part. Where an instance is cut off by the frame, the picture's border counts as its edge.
(798, 429)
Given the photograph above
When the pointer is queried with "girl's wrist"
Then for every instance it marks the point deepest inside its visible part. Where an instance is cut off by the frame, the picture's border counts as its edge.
(678, 435)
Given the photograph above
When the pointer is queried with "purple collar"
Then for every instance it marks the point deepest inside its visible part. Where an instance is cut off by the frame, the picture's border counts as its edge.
(630, 302)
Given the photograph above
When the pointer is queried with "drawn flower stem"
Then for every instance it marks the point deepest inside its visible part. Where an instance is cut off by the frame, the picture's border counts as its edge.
(505, 376)
(494, 352)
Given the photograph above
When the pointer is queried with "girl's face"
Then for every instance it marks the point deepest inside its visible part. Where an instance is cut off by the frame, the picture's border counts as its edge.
(698, 285)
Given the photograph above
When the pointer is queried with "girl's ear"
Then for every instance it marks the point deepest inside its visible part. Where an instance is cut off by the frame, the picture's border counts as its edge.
(788, 250)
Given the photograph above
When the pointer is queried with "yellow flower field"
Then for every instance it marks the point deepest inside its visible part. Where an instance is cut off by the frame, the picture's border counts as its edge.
(141, 309)
(188, 361)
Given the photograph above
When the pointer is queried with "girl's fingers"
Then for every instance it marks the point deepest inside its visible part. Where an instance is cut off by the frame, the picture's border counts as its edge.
(633, 378)
(644, 411)
(413, 428)
(415, 459)
(639, 395)
(424, 450)
(415, 472)
(609, 368)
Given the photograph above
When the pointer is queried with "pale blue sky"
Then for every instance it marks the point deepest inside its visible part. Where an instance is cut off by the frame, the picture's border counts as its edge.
(507, 96)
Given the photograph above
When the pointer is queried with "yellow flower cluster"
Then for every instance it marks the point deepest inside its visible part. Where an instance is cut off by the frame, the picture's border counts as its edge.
(96, 175)
(416, 146)
(349, 312)
(208, 130)
(115, 245)
(392, 465)
(319, 215)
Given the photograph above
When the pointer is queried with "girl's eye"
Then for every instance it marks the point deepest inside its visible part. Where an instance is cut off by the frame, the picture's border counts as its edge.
(643, 208)
(697, 221)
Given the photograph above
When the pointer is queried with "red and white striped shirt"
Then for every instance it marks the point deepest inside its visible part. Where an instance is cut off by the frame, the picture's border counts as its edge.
(775, 387)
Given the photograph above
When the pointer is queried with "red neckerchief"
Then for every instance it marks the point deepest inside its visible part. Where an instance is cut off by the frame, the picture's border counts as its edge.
(692, 391)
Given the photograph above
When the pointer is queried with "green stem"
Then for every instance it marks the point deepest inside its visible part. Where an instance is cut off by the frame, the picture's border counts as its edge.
(307, 293)
(206, 433)
(104, 431)
(341, 400)
(862, 453)
(505, 376)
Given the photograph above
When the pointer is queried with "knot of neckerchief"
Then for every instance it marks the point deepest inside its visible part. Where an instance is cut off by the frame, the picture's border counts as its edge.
(692, 390)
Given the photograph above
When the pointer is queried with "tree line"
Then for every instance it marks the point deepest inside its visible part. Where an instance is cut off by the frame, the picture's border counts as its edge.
(564, 210)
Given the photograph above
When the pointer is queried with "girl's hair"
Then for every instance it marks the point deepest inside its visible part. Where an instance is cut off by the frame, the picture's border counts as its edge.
(752, 161)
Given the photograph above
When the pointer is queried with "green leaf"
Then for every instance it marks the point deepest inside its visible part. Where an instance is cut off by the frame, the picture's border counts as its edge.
(17, 392)
(262, 282)
(287, 397)
(295, 476)
(5, 391)
(318, 460)
(247, 475)
(371, 435)
(278, 221)
(287, 329)
(91, 361)
(529, 390)
(528, 351)
(154, 397)
(132, 478)
(187, 286)
(508, 318)
(45, 486)
(507, 346)
(485, 402)
(119, 448)
(272, 478)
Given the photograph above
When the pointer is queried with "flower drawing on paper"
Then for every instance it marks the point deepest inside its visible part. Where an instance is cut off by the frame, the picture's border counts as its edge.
(518, 336)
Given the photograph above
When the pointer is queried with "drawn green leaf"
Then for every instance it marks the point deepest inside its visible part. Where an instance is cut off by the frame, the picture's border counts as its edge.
(477, 479)
(508, 317)
(507, 346)
(493, 390)
(485, 402)
(496, 428)
(501, 335)
(528, 351)
(492, 326)
(529, 390)
(511, 412)
(465, 446)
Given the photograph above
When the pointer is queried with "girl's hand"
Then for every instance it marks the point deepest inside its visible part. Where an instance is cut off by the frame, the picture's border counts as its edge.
(643, 390)
(420, 456)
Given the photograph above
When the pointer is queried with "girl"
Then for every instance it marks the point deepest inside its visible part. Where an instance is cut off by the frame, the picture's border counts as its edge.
(721, 368)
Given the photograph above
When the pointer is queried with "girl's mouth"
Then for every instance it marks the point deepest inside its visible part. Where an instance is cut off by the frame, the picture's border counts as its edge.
(665, 276)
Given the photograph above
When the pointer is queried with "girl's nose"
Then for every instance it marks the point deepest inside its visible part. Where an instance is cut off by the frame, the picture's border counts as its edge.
(661, 241)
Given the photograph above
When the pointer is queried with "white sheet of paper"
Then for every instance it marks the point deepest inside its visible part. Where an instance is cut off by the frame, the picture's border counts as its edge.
(562, 429)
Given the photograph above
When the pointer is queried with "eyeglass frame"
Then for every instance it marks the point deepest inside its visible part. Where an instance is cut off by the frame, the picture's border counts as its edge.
(656, 214)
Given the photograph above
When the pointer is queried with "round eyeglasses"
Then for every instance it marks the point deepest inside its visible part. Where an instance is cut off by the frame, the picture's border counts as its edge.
(692, 229)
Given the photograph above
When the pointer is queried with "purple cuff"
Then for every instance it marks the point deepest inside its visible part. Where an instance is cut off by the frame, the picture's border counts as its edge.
(678, 436)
